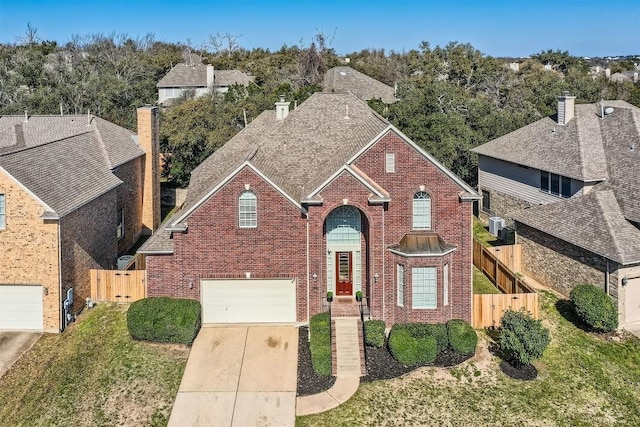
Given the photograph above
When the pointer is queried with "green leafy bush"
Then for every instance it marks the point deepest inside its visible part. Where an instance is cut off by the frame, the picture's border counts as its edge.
(320, 345)
(374, 333)
(595, 307)
(462, 337)
(164, 319)
(522, 338)
(421, 330)
(409, 350)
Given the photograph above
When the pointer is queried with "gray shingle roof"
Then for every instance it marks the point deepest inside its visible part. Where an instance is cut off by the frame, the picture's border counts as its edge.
(183, 75)
(594, 222)
(63, 160)
(343, 79)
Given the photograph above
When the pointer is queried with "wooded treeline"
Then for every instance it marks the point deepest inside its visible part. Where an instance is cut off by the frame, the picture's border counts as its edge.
(452, 98)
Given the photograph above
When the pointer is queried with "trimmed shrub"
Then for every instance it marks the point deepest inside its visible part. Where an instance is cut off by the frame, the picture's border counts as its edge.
(422, 330)
(462, 337)
(409, 350)
(320, 345)
(595, 307)
(164, 319)
(522, 338)
(374, 333)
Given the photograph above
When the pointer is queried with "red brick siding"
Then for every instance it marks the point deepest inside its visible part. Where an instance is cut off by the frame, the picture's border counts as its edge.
(216, 247)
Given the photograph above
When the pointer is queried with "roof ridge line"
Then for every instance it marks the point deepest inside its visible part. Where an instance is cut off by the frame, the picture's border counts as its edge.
(103, 149)
(31, 147)
(607, 219)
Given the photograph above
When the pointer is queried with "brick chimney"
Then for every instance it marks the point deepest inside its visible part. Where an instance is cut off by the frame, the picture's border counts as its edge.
(149, 141)
(282, 108)
(566, 109)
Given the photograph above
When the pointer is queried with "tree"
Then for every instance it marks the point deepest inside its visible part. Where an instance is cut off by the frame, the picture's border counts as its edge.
(522, 338)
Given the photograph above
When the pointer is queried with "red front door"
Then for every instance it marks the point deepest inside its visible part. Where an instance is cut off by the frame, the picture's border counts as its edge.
(344, 280)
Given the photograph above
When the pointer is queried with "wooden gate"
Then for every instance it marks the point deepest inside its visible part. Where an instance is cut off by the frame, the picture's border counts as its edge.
(489, 308)
(118, 285)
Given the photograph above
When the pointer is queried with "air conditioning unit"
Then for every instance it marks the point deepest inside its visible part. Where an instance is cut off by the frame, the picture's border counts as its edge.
(495, 225)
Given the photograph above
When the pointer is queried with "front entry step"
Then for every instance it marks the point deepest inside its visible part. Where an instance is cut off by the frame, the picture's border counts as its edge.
(347, 358)
(346, 307)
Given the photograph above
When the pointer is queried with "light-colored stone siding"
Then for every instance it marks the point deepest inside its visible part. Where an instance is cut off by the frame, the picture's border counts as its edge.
(29, 251)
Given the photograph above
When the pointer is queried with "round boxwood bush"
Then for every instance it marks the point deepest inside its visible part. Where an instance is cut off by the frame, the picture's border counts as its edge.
(409, 350)
(462, 337)
(164, 319)
(522, 338)
(595, 307)
(374, 333)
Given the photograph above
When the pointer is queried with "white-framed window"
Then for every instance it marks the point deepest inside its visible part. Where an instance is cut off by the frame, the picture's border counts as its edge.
(248, 210)
(343, 225)
(445, 285)
(556, 185)
(120, 229)
(421, 211)
(390, 162)
(3, 215)
(400, 284)
(424, 287)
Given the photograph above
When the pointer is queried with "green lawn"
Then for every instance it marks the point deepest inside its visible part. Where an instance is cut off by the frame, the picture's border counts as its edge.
(481, 284)
(481, 234)
(584, 380)
(93, 375)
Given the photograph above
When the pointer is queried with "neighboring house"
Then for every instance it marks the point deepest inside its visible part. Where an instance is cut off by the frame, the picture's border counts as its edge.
(328, 197)
(570, 184)
(343, 79)
(199, 78)
(71, 199)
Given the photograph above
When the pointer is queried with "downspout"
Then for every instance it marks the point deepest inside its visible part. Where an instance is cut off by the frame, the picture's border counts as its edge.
(308, 291)
(60, 311)
(383, 265)
(606, 278)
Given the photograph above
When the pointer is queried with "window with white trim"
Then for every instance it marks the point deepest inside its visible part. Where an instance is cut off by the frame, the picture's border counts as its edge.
(445, 284)
(421, 211)
(400, 285)
(3, 216)
(248, 210)
(390, 162)
(120, 229)
(424, 287)
(556, 185)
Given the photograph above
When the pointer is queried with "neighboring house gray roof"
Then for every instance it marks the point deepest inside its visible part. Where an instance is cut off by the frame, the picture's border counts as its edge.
(183, 75)
(65, 161)
(343, 79)
(594, 222)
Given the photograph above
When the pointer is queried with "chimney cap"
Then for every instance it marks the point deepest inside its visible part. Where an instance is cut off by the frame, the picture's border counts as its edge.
(282, 98)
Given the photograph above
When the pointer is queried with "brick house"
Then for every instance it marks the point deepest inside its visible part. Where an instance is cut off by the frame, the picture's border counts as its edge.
(328, 197)
(71, 199)
(569, 184)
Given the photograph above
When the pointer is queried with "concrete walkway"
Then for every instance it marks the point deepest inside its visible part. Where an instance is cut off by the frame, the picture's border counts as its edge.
(239, 376)
(348, 371)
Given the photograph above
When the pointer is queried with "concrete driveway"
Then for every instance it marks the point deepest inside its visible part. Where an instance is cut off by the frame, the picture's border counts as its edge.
(13, 345)
(239, 376)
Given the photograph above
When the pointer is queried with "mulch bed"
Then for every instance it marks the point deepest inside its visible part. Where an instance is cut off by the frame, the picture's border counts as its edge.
(380, 366)
(521, 372)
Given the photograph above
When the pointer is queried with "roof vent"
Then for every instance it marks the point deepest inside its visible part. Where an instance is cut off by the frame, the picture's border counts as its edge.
(346, 116)
(608, 111)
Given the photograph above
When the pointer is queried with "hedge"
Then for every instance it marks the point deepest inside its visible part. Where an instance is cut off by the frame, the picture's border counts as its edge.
(320, 345)
(462, 337)
(595, 307)
(410, 350)
(421, 330)
(164, 319)
(374, 333)
(522, 338)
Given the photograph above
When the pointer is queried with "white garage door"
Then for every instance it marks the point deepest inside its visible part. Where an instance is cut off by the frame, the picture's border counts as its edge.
(632, 301)
(248, 301)
(21, 307)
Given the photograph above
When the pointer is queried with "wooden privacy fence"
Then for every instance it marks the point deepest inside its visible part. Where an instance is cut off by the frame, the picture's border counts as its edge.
(498, 264)
(489, 308)
(118, 285)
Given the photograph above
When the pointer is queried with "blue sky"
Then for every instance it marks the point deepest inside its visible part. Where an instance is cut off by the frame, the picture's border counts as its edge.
(497, 28)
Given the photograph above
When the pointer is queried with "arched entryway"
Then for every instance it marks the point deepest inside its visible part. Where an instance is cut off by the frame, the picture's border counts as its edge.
(345, 258)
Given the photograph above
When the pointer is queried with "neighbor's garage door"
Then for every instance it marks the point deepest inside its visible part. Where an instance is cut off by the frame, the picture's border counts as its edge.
(632, 301)
(248, 301)
(21, 307)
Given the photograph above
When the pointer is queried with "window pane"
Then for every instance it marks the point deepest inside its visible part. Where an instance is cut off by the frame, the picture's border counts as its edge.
(248, 210)
(445, 285)
(343, 225)
(2, 212)
(544, 181)
(486, 201)
(555, 184)
(421, 211)
(566, 187)
(423, 287)
(391, 162)
(400, 285)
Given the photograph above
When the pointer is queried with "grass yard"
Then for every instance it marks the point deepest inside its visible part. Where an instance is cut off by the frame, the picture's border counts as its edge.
(481, 284)
(93, 374)
(483, 236)
(584, 380)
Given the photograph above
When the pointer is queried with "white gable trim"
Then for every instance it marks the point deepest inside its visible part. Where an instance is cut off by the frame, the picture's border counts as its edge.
(421, 151)
(31, 194)
(229, 177)
(355, 174)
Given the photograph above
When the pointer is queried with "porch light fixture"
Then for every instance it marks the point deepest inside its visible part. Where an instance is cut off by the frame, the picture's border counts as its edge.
(625, 280)
(45, 291)
(314, 277)
(376, 277)
(190, 283)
